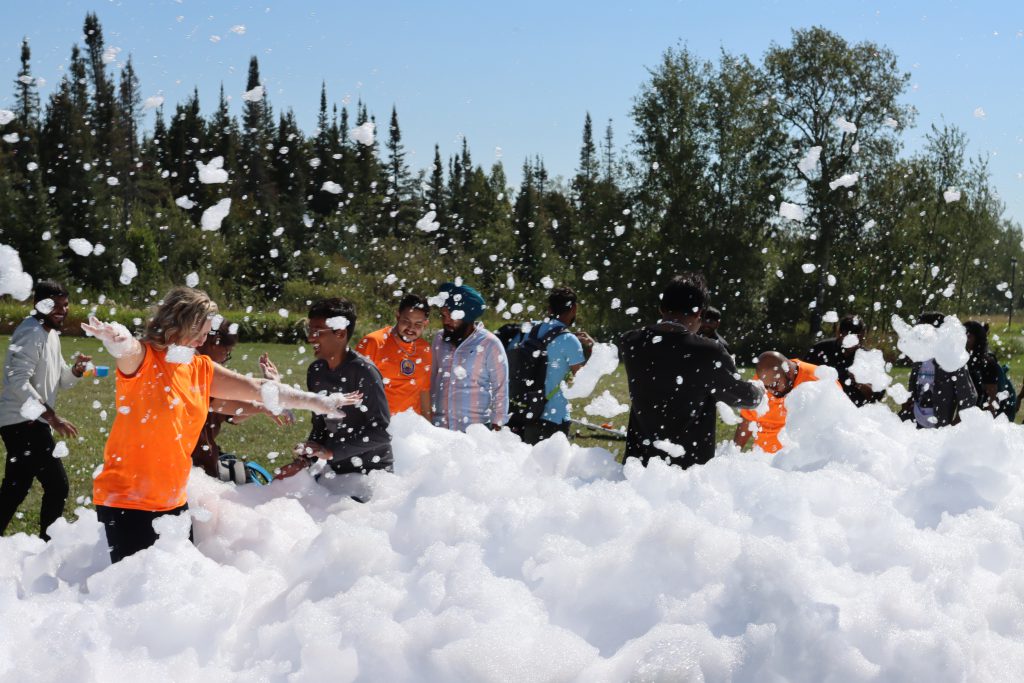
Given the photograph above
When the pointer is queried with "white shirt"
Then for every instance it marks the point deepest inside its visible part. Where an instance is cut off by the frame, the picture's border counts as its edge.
(33, 368)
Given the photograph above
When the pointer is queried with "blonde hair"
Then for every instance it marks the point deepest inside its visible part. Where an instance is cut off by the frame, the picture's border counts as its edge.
(182, 312)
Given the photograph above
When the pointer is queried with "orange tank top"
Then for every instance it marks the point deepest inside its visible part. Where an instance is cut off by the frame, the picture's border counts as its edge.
(161, 410)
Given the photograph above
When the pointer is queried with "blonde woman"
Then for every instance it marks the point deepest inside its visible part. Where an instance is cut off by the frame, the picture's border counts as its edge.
(163, 396)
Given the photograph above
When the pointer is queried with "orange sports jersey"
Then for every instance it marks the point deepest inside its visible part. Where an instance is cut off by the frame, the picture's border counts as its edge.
(161, 410)
(404, 366)
(771, 423)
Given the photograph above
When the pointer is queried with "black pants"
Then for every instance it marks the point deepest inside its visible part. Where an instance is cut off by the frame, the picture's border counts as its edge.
(129, 531)
(535, 431)
(30, 456)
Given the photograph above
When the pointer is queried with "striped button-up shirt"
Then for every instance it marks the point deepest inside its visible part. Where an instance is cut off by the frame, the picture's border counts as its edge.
(469, 382)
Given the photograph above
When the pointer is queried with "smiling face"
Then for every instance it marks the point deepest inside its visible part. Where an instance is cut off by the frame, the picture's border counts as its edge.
(327, 343)
(777, 379)
(411, 324)
(54, 320)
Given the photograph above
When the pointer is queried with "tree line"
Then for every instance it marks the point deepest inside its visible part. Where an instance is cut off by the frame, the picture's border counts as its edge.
(783, 180)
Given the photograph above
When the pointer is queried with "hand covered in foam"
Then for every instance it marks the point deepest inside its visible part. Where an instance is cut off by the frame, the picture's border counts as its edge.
(276, 397)
(334, 403)
(115, 336)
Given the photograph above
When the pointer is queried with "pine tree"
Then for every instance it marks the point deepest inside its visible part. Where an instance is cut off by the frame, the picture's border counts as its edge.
(125, 155)
(26, 103)
(290, 180)
(397, 179)
(435, 198)
(325, 146)
(102, 114)
(28, 217)
(222, 139)
(257, 134)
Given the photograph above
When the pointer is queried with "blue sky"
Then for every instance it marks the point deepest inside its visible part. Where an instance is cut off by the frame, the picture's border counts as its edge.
(517, 78)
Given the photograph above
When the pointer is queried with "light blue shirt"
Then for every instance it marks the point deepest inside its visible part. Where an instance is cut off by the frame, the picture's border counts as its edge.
(564, 351)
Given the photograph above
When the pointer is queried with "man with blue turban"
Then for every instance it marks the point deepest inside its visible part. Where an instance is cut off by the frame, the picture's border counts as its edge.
(469, 375)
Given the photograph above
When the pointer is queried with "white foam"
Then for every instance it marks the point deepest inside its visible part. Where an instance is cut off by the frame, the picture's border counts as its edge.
(32, 409)
(605, 405)
(254, 95)
(793, 212)
(215, 215)
(363, 134)
(604, 358)
(869, 367)
(128, 272)
(213, 172)
(180, 354)
(80, 246)
(13, 280)
(947, 344)
(428, 222)
(866, 550)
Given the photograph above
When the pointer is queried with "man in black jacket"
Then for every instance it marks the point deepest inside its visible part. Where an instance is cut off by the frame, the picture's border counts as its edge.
(676, 377)
(839, 353)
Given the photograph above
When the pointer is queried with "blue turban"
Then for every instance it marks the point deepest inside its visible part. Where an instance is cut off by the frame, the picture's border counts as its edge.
(464, 298)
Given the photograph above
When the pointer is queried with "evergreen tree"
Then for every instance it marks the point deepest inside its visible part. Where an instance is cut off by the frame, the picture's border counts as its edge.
(26, 103)
(222, 138)
(324, 149)
(397, 180)
(257, 135)
(102, 114)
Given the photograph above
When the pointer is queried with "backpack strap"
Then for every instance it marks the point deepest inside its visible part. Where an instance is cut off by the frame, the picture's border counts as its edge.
(551, 334)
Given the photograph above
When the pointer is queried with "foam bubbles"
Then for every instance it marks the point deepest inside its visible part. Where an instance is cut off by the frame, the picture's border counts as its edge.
(865, 550)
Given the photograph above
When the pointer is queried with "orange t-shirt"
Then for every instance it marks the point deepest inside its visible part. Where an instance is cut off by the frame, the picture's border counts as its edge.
(405, 367)
(161, 410)
(772, 422)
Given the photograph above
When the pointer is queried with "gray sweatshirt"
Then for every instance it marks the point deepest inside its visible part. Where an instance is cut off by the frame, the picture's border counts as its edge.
(33, 368)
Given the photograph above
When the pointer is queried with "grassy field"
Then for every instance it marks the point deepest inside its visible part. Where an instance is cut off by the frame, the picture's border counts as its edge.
(90, 406)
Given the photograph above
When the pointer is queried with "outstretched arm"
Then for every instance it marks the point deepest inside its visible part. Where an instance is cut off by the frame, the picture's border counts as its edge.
(232, 386)
(125, 348)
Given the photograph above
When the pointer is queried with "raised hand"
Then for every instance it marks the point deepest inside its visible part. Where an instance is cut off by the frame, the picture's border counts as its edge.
(115, 336)
(270, 370)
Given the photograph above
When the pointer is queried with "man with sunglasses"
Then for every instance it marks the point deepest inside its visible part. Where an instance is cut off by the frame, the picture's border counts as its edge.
(780, 376)
(360, 442)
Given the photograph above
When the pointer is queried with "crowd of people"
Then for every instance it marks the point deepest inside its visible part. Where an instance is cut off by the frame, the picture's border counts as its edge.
(174, 392)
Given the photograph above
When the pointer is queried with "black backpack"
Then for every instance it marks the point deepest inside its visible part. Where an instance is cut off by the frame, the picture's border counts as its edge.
(527, 370)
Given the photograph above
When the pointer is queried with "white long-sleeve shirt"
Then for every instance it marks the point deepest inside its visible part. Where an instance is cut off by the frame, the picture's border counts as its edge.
(33, 368)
